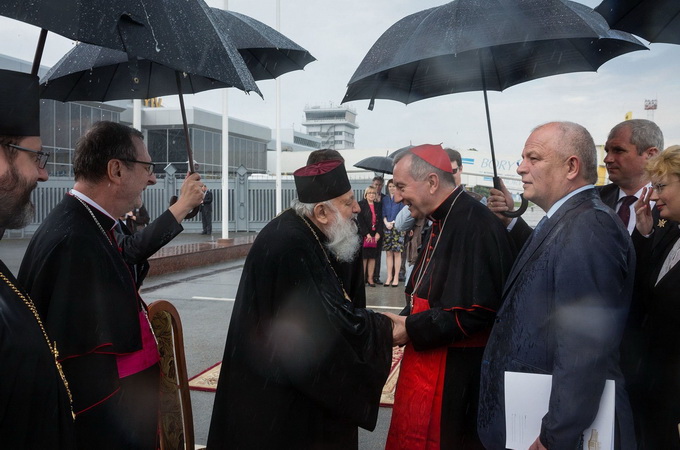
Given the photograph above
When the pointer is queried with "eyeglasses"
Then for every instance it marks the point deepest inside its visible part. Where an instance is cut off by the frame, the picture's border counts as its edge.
(659, 187)
(150, 165)
(40, 156)
(455, 171)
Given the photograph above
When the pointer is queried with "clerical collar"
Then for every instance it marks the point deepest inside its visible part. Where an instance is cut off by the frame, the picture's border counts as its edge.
(442, 210)
(92, 203)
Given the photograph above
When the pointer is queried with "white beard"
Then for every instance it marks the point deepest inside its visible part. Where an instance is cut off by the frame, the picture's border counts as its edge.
(343, 238)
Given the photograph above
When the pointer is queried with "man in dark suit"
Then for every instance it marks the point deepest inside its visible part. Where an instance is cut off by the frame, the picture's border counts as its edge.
(629, 146)
(206, 213)
(566, 299)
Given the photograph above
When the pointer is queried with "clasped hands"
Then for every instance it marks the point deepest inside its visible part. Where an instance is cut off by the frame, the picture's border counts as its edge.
(399, 334)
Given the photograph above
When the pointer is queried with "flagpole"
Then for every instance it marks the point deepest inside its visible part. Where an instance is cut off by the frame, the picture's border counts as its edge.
(279, 200)
(225, 156)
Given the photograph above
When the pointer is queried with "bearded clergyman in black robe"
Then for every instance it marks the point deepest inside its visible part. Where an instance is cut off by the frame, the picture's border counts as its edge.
(35, 409)
(452, 297)
(302, 367)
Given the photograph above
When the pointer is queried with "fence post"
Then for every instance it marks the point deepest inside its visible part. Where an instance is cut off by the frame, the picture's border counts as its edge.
(241, 194)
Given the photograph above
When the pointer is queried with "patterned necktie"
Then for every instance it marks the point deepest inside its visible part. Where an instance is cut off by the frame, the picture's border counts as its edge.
(624, 209)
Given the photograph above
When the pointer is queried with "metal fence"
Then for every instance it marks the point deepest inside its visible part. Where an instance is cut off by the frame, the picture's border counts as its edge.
(252, 201)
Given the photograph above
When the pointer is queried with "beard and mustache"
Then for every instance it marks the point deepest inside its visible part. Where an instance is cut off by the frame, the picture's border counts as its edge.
(343, 237)
(16, 208)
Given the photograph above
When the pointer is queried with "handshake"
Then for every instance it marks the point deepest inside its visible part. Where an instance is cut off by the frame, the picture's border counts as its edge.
(399, 334)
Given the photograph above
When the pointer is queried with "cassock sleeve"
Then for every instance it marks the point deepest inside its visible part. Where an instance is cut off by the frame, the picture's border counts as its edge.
(467, 288)
(334, 353)
(589, 316)
(140, 246)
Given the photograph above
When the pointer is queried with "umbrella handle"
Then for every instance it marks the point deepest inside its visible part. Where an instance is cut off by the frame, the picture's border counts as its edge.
(522, 208)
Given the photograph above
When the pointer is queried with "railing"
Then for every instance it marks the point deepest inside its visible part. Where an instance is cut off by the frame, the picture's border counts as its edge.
(253, 199)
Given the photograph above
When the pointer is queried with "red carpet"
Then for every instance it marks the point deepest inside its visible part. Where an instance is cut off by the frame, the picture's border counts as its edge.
(207, 380)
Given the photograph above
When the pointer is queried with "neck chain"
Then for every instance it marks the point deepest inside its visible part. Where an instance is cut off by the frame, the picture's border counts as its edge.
(53, 348)
(327, 258)
(95, 219)
(421, 274)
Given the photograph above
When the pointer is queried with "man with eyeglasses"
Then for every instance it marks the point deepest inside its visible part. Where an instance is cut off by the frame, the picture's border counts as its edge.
(88, 295)
(35, 410)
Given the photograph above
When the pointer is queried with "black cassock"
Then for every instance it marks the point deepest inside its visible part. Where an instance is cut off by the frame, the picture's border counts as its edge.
(34, 407)
(88, 299)
(302, 366)
(457, 284)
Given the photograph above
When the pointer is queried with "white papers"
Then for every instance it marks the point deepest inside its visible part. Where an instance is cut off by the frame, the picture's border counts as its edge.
(527, 397)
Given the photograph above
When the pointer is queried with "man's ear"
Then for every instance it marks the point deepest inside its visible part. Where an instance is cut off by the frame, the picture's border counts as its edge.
(321, 213)
(114, 170)
(574, 167)
(433, 182)
(651, 152)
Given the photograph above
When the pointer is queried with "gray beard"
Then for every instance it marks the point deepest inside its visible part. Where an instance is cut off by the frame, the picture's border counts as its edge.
(343, 239)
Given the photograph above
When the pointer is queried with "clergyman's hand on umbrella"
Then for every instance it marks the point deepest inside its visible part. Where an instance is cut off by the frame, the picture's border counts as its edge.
(190, 196)
(643, 213)
(500, 201)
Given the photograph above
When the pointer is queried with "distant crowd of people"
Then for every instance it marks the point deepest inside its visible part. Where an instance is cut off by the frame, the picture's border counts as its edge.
(590, 294)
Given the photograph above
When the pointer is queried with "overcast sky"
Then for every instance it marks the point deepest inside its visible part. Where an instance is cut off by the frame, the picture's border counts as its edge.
(339, 34)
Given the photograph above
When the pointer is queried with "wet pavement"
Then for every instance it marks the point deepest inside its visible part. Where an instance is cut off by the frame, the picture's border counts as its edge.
(204, 297)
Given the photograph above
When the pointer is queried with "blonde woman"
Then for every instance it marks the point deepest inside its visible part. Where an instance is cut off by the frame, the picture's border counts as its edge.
(371, 229)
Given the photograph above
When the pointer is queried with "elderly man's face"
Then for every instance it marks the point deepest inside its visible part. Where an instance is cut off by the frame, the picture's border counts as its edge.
(138, 176)
(413, 193)
(342, 230)
(18, 179)
(624, 165)
(543, 169)
(346, 205)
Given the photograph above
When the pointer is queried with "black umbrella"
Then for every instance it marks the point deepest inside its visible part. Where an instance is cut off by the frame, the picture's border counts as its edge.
(654, 20)
(470, 45)
(93, 73)
(382, 164)
(177, 33)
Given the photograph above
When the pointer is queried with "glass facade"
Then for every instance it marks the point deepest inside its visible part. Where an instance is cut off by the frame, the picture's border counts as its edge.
(168, 146)
(61, 124)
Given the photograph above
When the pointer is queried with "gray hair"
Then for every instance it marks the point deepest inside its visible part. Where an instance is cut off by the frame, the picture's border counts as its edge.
(644, 134)
(576, 140)
(420, 169)
(307, 209)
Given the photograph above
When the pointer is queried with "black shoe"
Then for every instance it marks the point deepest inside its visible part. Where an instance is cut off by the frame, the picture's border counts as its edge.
(377, 280)
(372, 285)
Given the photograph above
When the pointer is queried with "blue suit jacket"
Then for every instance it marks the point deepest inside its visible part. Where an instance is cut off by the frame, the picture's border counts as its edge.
(564, 311)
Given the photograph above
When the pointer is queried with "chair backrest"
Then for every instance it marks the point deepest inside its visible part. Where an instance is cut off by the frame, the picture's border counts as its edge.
(176, 419)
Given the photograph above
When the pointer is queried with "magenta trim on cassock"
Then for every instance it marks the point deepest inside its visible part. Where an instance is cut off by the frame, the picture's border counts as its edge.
(133, 363)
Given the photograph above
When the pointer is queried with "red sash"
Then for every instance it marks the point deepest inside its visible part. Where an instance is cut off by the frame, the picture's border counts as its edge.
(417, 412)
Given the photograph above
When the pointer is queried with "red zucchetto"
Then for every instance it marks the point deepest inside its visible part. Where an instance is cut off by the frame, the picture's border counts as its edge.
(434, 155)
(321, 181)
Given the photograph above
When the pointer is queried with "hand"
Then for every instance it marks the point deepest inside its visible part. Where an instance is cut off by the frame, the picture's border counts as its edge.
(377, 237)
(500, 201)
(643, 213)
(399, 334)
(537, 445)
(190, 196)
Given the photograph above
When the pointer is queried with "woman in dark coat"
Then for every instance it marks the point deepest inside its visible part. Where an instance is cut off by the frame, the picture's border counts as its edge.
(370, 229)
(654, 387)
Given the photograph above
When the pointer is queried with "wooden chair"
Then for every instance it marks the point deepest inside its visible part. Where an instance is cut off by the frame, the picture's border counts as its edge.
(176, 419)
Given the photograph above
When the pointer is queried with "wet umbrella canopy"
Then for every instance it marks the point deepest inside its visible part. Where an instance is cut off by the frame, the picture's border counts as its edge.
(93, 73)
(470, 45)
(654, 20)
(176, 33)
